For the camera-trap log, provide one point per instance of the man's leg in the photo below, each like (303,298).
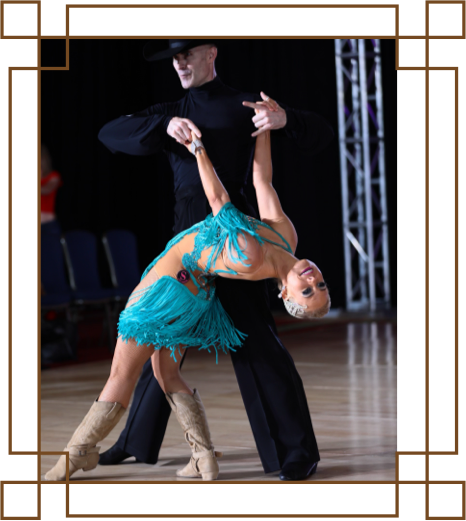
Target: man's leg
(147,421)
(270,385)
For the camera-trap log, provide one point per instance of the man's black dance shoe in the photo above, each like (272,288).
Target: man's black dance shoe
(113,456)
(297,470)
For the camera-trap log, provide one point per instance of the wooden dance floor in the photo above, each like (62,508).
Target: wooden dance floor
(348,367)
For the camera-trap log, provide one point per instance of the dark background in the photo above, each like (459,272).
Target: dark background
(108,78)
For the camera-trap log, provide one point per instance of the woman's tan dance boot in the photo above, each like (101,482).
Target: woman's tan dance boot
(191,416)
(97,424)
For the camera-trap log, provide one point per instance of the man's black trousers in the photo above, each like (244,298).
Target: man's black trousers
(270,386)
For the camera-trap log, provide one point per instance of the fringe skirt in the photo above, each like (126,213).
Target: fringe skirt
(169,315)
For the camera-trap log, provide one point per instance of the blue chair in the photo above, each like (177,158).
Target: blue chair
(122,255)
(57,292)
(80,249)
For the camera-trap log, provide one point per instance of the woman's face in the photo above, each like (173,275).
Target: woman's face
(305,284)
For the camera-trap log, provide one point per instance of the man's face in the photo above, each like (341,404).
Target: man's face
(194,66)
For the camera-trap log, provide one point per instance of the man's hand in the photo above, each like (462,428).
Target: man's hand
(269,115)
(180,129)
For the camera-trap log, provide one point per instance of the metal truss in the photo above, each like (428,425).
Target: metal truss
(362,165)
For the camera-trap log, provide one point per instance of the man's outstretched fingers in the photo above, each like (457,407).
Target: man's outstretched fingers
(261,105)
(252,105)
(269,115)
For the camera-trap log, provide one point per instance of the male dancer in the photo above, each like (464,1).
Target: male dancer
(270,386)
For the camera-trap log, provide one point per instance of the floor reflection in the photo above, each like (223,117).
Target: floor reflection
(348,369)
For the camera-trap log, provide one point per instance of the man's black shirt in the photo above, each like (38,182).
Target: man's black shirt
(226,127)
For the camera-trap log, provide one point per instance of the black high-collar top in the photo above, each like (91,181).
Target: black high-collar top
(216,110)
(226,127)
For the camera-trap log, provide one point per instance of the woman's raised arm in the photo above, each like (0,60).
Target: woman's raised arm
(267,198)
(213,187)
(270,209)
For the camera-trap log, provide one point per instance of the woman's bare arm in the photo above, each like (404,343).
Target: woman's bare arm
(267,198)
(270,208)
(213,187)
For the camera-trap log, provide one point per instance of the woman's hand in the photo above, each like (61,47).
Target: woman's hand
(268,103)
(188,143)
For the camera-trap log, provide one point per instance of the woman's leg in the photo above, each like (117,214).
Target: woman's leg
(105,412)
(167,371)
(129,358)
(127,364)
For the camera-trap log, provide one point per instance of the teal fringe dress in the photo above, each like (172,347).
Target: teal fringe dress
(169,315)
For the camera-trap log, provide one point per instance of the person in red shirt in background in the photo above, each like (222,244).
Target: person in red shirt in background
(49,184)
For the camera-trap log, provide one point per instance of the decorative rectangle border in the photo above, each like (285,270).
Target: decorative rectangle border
(427,68)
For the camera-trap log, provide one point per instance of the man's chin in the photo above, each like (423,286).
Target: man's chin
(186,82)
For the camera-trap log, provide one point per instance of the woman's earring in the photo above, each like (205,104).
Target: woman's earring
(280,295)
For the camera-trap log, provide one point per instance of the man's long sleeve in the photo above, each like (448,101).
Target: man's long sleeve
(139,134)
(308,130)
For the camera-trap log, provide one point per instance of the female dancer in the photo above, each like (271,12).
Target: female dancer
(174,307)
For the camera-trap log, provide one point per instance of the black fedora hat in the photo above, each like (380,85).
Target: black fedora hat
(152,54)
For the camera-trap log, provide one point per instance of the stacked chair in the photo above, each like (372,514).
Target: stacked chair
(80,248)
(58,337)
(122,256)
(56,292)
(78,252)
